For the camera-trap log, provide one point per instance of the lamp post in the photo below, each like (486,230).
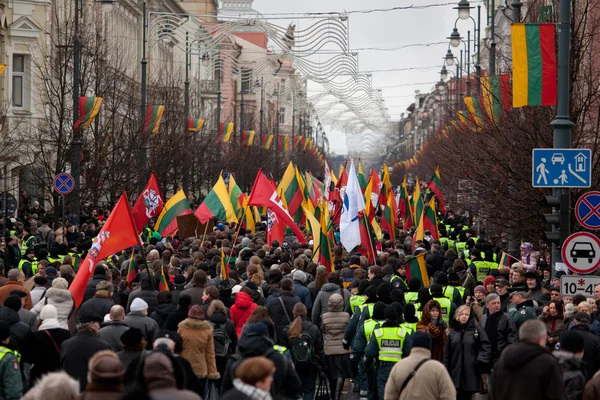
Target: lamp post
(218,119)
(516,5)
(143,155)
(262,91)
(186,135)
(241,108)
(493,41)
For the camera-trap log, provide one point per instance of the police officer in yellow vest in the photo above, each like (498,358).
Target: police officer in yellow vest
(461,244)
(448,307)
(450,292)
(490,261)
(399,278)
(28,241)
(412,295)
(27,263)
(363,334)
(360,314)
(12,384)
(479,268)
(454,281)
(410,316)
(388,344)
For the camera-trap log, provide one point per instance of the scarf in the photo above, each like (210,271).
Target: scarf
(251,391)
(50,323)
(491,328)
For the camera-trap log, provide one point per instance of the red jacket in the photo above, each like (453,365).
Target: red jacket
(241,310)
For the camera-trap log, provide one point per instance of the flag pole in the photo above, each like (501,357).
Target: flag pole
(204,235)
(237,233)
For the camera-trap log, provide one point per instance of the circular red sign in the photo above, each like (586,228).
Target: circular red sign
(587,212)
(579,253)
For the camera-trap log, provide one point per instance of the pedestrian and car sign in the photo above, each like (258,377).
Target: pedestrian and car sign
(562,168)
(64,183)
(587,210)
(581,252)
(570,285)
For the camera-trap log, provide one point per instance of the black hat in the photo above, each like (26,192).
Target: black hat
(390,313)
(19,293)
(89,318)
(378,311)
(436,289)
(571,341)
(453,277)
(371,292)
(414,284)
(531,275)
(251,285)
(475,252)
(179,280)
(184,300)
(354,260)
(132,337)
(13,302)
(409,310)
(582,318)
(40,280)
(502,282)
(4,330)
(421,339)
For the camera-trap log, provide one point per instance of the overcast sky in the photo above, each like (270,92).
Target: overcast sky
(385,30)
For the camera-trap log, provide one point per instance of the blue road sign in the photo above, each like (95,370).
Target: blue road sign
(562,168)
(64,183)
(587,210)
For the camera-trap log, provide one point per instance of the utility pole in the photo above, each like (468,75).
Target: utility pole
(186,134)
(143,156)
(493,38)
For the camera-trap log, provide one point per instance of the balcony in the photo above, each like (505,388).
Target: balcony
(208,87)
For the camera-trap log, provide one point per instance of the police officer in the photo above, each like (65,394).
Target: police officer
(360,314)
(479,268)
(458,292)
(27,263)
(388,344)
(358,299)
(399,278)
(12,385)
(28,241)
(448,307)
(412,295)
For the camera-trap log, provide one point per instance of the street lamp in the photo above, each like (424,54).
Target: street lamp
(464,9)
(455,38)
(107,5)
(444,73)
(449,58)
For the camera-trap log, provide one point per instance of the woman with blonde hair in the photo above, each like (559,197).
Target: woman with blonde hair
(467,355)
(305,342)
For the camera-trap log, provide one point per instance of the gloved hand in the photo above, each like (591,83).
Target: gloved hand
(346,345)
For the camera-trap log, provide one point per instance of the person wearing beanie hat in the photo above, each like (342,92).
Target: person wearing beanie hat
(39,289)
(536,292)
(138,318)
(105,377)
(422,385)
(410,318)
(134,345)
(362,313)
(12,386)
(569,356)
(348,273)
(452,289)
(181,313)
(412,295)
(198,344)
(388,344)
(300,290)
(399,278)
(448,307)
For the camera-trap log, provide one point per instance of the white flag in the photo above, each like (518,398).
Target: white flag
(353,203)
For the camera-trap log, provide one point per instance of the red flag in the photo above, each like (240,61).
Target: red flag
(264,195)
(117,234)
(275,228)
(148,205)
(377,185)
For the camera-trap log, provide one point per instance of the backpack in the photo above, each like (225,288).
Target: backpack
(302,350)
(222,341)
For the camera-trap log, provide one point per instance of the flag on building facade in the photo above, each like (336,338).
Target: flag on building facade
(416,268)
(476,115)
(533,64)
(217,204)
(148,205)
(236,196)
(89,107)
(194,125)
(117,234)
(248,138)
(267,140)
(436,188)
(166,224)
(154,114)
(353,203)
(496,96)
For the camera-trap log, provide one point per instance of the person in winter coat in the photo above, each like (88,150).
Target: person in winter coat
(592,388)
(19,331)
(39,290)
(521,308)
(112,330)
(432,323)
(217,318)
(196,291)
(300,290)
(431,381)
(15,282)
(43,347)
(536,292)
(99,276)
(569,358)
(499,327)
(299,329)
(146,292)
(321,279)
(11,384)
(337,357)
(242,309)
(260,314)
(552,316)
(467,355)
(526,370)
(591,354)
(286,383)
(198,344)
(76,352)
(321,303)
(225,293)
(163,309)
(60,297)
(26,316)
(175,317)
(178,287)
(105,377)
(134,346)
(281,306)
(138,318)
(253,380)
(99,305)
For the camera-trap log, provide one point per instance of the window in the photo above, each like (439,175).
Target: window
(282,115)
(245,76)
(18,80)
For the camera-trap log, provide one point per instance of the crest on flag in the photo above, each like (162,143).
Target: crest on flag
(97,246)
(151,202)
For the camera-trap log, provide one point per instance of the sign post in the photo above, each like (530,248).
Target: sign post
(587,210)
(63,184)
(561,168)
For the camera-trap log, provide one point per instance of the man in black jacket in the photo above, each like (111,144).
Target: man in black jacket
(502,290)
(526,370)
(591,343)
(282,314)
(99,276)
(499,327)
(286,382)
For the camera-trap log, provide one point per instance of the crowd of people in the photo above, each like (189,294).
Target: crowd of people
(276,325)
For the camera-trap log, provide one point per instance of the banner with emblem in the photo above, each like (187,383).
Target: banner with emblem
(148,205)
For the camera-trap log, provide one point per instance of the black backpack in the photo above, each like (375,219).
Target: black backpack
(222,341)
(302,350)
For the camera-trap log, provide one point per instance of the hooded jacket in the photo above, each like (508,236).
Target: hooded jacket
(573,372)
(321,303)
(241,310)
(160,314)
(146,293)
(18,330)
(591,345)
(148,326)
(527,371)
(62,300)
(164,378)
(286,383)
(333,326)
(199,347)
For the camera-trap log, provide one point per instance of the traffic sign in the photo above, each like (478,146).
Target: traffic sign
(587,210)
(581,252)
(570,285)
(64,183)
(561,168)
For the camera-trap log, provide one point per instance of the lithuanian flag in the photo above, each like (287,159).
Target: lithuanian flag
(360,174)
(248,138)
(225,131)
(167,220)
(131,272)
(474,107)
(417,201)
(428,222)
(154,115)
(267,140)
(290,192)
(496,96)
(533,65)
(163,284)
(389,218)
(436,187)
(416,269)
(194,125)
(325,240)
(386,186)
(370,209)
(217,204)
(89,107)
(236,196)
(505,260)
(404,206)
